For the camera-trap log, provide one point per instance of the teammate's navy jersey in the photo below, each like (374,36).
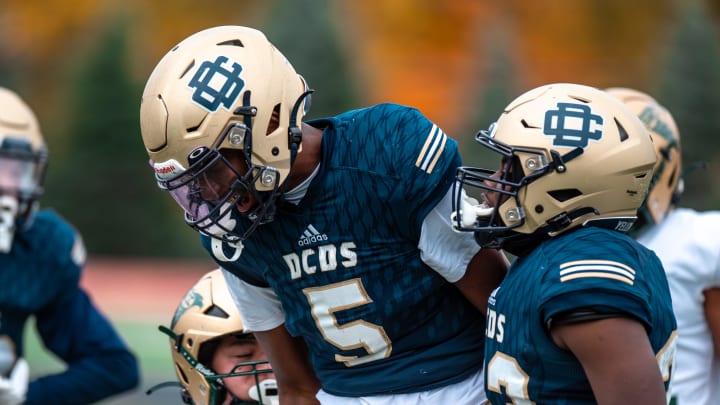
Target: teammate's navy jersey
(587,268)
(346,266)
(40,278)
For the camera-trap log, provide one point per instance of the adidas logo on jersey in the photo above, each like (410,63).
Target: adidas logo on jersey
(311,236)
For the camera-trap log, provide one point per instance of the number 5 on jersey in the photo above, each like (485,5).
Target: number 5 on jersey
(325,301)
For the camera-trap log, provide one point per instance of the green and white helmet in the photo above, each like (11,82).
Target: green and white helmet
(666,185)
(206,314)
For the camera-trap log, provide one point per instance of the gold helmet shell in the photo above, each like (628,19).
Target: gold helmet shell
(17,120)
(666,185)
(224,90)
(573,156)
(196,89)
(23,156)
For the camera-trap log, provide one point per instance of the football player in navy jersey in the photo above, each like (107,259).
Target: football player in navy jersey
(338,229)
(584,315)
(41,260)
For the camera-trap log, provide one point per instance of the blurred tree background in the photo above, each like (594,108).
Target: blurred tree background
(82,67)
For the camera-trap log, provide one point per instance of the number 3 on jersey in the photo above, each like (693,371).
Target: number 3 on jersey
(325,301)
(503,371)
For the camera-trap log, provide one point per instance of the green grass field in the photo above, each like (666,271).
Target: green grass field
(150,346)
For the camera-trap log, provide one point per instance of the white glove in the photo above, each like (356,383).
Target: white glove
(269,391)
(14,388)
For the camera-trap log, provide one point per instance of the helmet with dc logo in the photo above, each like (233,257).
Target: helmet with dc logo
(667,184)
(222,91)
(572,155)
(23,160)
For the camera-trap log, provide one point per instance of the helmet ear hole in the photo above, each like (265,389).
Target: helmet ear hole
(206,352)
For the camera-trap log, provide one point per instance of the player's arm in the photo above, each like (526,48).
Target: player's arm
(99,364)
(712,315)
(458,258)
(484,273)
(617,358)
(262,313)
(288,356)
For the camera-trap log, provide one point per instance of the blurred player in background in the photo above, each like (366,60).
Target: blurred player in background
(687,243)
(216,360)
(584,314)
(41,260)
(339,228)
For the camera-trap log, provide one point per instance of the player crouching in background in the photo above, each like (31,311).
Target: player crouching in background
(42,257)
(217,362)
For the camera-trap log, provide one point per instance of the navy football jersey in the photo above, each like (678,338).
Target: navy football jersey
(40,278)
(586,268)
(346,266)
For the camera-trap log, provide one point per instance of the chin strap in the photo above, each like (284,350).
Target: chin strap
(179,348)
(166,384)
(559,162)
(294,138)
(520,244)
(209,375)
(294,130)
(565,219)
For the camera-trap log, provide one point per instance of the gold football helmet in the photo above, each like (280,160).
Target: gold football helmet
(205,315)
(572,156)
(23,160)
(223,89)
(666,185)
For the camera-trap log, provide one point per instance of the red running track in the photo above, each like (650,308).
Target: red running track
(140,289)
